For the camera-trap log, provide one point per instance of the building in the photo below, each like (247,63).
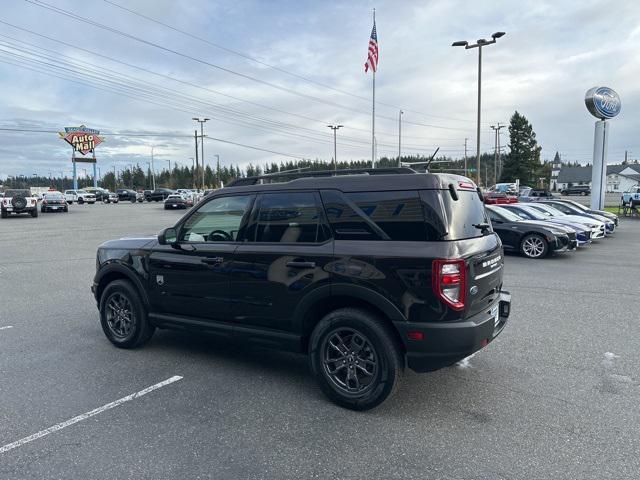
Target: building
(619,177)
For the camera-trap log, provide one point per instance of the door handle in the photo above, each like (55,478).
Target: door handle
(212,261)
(301,264)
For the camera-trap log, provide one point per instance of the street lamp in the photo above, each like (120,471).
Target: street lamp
(335,148)
(399,137)
(479,44)
(201,121)
(153,173)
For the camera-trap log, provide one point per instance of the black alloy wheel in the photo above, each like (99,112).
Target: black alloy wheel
(355,358)
(123,315)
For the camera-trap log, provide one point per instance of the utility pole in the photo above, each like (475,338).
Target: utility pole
(217,170)
(153,173)
(465,157)
(202,122)
(335,148)
(400,138)
(496,160)
(197,167)
(625,157)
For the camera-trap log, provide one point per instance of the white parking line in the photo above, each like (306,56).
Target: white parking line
(7,327)
(84,416)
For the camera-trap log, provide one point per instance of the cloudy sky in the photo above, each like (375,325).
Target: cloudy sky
(272,75)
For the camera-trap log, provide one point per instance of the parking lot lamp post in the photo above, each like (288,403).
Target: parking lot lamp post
(479,44)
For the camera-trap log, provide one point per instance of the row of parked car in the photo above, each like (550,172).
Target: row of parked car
(549,225)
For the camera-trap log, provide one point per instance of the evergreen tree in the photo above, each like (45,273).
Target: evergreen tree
(523,160)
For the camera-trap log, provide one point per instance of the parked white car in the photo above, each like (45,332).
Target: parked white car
(80,196)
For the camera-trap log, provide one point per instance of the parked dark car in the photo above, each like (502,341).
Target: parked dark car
(175,200)
(527,212)
(159,194)
(531,238)
(576,190)
(125,194)
(365,273)
(54,202)
(101,194)
(571,209)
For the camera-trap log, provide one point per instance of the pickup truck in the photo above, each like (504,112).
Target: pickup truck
(632,196)
(79,196)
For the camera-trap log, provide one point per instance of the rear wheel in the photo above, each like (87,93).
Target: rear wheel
(81,201)
(534,246)
(4,214)
(34,213)
(355,359)
(123,315)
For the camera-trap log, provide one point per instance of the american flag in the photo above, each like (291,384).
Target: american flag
(372,54)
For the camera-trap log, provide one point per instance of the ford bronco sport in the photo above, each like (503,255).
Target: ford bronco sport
(368,272)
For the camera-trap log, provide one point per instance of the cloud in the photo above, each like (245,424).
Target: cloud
(552,53)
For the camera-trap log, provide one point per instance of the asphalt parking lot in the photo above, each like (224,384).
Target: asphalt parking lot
(555,396)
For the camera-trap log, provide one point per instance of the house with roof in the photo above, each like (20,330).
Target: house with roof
(620,178)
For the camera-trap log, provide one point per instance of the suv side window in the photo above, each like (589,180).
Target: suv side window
(288,217)
(218,220)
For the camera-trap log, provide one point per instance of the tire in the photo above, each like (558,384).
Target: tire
(69,202)
(384,366)
(4,214)
(42,210)
(66,209)
(19,202)
(34,213)
(91,203)
(80,201)
(563,192)
(121,294)
(534,246)
(133,200)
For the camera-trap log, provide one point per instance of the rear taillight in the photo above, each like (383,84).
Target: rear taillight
(450,282)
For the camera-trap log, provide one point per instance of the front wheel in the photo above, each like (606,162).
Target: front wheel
(123,315)
(355,359)
(80,201)
(34,213)
(534,246)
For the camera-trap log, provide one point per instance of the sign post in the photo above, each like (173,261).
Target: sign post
(603,103)
(83,140)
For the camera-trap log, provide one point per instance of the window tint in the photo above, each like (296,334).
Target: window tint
(394,215)
(288,218)
(463,214)
(216,221)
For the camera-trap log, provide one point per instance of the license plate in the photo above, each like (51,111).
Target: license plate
(495,313)
(55,208)
(174,205)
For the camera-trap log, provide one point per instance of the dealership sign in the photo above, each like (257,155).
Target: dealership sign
(602,102)
(83,140)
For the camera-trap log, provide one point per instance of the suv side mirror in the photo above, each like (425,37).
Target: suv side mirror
(168,236)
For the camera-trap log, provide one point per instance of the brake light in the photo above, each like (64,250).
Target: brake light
(466,185)
(450,282)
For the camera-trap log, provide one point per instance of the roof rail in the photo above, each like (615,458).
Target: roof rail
(240,182)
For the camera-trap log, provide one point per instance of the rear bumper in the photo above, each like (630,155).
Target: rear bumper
(445,343)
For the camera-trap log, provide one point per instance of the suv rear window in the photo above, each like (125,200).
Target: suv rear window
(463,214)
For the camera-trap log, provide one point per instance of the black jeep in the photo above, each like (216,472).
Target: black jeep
(368,272)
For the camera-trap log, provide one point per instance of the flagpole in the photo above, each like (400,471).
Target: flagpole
(373,111)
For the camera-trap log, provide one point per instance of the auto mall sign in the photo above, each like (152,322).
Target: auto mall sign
(83,140)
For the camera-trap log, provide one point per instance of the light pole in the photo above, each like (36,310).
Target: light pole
(400,137)
(497,154)
(153,173)
(465,156)
(335,145)
(201,121)
(479,44)
(170,184)
(217,170)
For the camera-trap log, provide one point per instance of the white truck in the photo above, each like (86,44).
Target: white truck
(79,196)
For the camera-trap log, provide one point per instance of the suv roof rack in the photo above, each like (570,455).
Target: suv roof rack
(288,176)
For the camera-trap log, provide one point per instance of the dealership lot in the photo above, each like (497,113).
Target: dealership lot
(555,396)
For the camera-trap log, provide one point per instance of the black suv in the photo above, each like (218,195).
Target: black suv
(576,190)
(366,273)
(157,195)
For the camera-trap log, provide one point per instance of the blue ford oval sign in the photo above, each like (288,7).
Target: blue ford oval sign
(602,102)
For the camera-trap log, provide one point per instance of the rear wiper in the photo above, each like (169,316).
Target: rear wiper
(482,226)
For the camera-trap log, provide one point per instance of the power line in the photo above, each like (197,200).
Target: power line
(273,67)
(212,65)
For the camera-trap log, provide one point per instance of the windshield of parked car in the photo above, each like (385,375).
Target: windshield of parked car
(506,214)
(579,206)
(536,214)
